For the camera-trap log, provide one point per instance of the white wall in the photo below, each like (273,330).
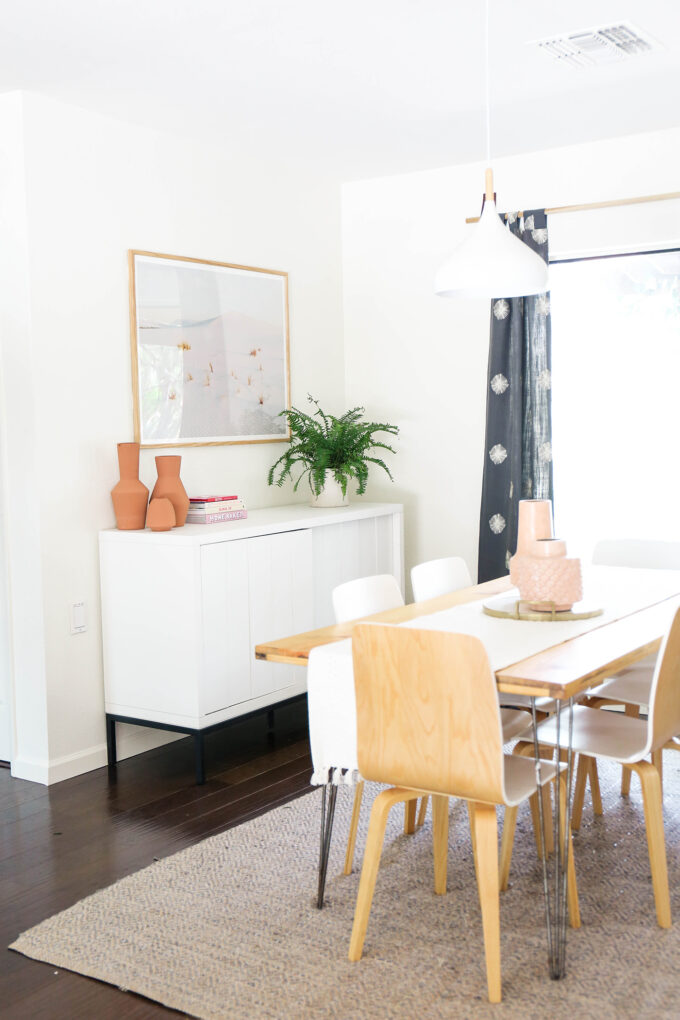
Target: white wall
(21,576)
(420,361)
(96,187)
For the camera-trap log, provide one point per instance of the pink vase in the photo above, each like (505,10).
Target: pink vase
(169,485)
(547,579)
(534,521)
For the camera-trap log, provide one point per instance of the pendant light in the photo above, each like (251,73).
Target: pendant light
(492,262)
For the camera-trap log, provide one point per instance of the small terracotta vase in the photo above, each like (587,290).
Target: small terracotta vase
(534,522)
(129,495)
(170,486)
(161,514)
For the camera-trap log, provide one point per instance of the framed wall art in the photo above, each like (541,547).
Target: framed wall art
(210,351)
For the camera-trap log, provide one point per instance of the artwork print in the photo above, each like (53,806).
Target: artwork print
(209,351)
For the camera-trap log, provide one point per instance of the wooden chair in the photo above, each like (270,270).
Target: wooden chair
(629,741)
(365,596)
(450,573)
(353,600)
(428,720)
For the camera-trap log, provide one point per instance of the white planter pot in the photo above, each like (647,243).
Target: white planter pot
(331,493)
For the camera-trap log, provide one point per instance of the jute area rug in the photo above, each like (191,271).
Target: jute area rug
(228,928)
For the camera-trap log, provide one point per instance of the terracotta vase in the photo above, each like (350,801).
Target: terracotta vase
(161,514)
(169,485)
(130,496)
(534,522)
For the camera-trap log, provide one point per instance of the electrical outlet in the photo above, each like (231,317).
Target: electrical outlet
(78,620)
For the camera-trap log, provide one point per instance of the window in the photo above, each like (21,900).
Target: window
(616,397)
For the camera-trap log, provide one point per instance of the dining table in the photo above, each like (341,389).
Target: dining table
(626,613)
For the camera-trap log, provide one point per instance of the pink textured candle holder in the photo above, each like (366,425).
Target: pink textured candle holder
(549,582)
(546,578)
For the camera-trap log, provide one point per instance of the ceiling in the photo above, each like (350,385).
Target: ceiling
(354,88)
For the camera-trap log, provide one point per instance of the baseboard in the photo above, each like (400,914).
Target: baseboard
(130,740)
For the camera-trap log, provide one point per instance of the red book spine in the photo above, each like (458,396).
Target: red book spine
(210,499)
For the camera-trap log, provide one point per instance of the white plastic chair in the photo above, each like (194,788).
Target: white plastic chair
(626,740)
(365,596)
(437,577)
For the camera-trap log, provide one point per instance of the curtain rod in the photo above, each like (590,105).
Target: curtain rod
(599,205)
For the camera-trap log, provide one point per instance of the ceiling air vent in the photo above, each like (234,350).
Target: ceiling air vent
(596,46)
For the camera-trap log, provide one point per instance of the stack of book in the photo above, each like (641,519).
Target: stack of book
(215,509)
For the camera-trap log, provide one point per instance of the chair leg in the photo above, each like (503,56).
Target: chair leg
(595,787)
(440,829)
(486,854)
(634,712)
(526,750)
(353,826)
(579,792)
(651,799)
(410,817)
(547,819)
(572,890)
(369,871)
(507,840)
(657,762)
(473,835)
(422,812)
(536,820)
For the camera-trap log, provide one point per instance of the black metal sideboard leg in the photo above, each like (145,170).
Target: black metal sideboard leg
(199,754)
(110,740)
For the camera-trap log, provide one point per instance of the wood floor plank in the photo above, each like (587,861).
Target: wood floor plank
(112,824)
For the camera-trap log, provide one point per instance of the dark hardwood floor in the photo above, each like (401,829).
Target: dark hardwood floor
(61,843)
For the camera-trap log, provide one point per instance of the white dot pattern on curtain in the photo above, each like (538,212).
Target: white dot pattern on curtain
(518,464)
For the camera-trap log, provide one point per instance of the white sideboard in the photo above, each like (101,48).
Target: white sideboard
(182,610)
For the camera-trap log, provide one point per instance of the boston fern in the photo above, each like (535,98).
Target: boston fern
(320,442)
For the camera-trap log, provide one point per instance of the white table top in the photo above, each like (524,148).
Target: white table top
(332,707)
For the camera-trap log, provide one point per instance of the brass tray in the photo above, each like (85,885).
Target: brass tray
(516,609)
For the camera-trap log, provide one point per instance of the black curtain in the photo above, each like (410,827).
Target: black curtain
(518,450)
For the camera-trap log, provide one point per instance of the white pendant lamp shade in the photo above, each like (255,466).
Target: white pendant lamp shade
(491,262)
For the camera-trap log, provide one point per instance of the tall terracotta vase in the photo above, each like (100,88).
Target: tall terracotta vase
(130,496)
(169,485)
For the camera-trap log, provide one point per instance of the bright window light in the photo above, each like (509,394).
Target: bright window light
(616,398)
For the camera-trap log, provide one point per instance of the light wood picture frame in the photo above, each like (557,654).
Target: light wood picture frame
(210,351)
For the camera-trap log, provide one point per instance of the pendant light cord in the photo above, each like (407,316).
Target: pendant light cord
(488,90)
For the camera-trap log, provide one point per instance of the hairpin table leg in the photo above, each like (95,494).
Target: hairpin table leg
(326,832)
(556,912)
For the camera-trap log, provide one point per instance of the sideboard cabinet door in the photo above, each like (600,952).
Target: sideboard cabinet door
(252,589)
(227,651)
(281,600)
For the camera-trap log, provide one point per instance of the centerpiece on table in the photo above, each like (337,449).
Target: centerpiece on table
(331,451)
